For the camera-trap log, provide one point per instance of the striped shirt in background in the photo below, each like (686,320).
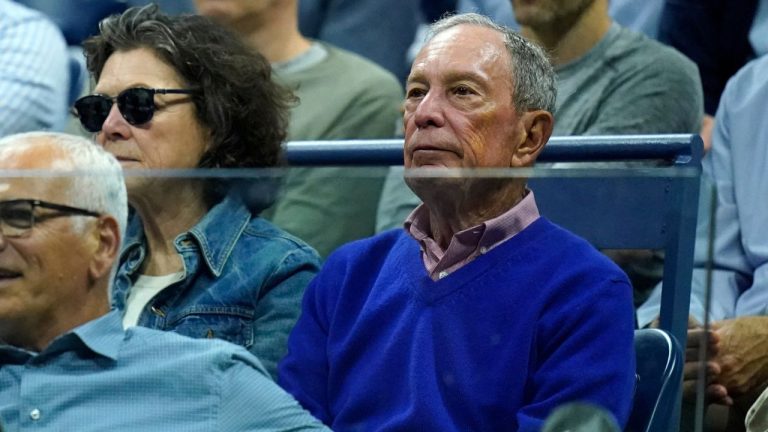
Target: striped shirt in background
(34,71)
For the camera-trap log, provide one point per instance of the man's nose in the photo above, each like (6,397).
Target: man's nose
(430,111)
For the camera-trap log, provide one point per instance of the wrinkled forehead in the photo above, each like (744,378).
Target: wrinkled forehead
(465,47)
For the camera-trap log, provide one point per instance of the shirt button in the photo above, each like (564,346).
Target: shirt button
(157,311)
(34,414)
(442,274)
(483,250)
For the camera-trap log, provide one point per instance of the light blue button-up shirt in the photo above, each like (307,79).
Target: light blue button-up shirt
(101,378)
(736,164)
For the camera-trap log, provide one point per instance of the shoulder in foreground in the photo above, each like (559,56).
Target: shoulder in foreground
(577,253)
(753,73)
(182,349)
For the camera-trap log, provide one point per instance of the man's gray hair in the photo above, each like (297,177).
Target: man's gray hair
(97,178)
(533,78)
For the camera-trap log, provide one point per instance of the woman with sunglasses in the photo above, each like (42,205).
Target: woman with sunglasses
(183,93)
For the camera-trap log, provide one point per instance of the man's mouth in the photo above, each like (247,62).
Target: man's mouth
(8,274)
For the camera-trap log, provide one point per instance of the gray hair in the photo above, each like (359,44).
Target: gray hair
(97,178)
(533,78)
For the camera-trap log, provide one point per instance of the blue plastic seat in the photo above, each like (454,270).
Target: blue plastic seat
(659,372)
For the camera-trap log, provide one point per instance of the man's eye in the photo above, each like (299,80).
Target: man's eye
(18,218)
(463,90)
(416,93)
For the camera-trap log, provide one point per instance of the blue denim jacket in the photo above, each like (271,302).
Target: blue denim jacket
(243,281)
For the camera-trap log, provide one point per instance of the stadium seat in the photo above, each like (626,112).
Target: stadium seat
(659,372)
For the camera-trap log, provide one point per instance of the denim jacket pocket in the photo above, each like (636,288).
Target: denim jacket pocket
(230,323)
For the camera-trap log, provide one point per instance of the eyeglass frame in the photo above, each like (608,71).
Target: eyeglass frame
(64,210)
(114,99)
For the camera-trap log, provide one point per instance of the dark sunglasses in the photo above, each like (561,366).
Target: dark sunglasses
(137,106)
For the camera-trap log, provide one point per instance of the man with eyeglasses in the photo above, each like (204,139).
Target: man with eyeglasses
(65,361)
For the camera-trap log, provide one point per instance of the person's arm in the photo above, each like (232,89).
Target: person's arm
(278,308)
(34,76)
(585,352)
(304,370)
(251,401)
(743,357)
(732,271)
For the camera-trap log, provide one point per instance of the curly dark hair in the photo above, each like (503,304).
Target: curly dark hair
(235,97)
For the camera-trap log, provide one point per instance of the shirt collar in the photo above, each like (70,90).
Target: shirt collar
(468,243)
(215,238)
(102,336)
(219,230)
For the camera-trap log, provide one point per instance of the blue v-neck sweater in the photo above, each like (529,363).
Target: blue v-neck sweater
(540,320)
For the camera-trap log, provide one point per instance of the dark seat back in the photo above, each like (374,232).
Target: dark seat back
(659,371)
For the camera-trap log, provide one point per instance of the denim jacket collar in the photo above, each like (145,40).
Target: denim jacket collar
(214,238)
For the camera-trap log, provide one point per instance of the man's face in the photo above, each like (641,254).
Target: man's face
(546,13)
(458,108)
(43,274)
(232,11)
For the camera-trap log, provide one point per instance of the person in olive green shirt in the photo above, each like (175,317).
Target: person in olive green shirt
(341,96)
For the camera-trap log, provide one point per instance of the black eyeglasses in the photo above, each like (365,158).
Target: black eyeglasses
(137,105)
(18,217)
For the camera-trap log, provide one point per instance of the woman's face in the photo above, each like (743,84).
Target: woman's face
(173,138)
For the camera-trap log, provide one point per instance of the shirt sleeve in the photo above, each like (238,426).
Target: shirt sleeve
(304,370)
(34,76)
(739,261)
(252,401)
(278,309)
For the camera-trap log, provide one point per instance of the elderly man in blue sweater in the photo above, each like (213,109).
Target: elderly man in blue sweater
(480,314)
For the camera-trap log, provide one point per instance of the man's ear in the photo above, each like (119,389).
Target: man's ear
(537,127)
(107,247)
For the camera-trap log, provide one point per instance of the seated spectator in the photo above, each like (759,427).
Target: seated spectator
(610,81)
(66,363)
(739,267)
(480,315)
(197,258)
(341,96)
(34,71)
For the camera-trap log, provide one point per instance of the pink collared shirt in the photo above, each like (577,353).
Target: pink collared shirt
(468,244)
